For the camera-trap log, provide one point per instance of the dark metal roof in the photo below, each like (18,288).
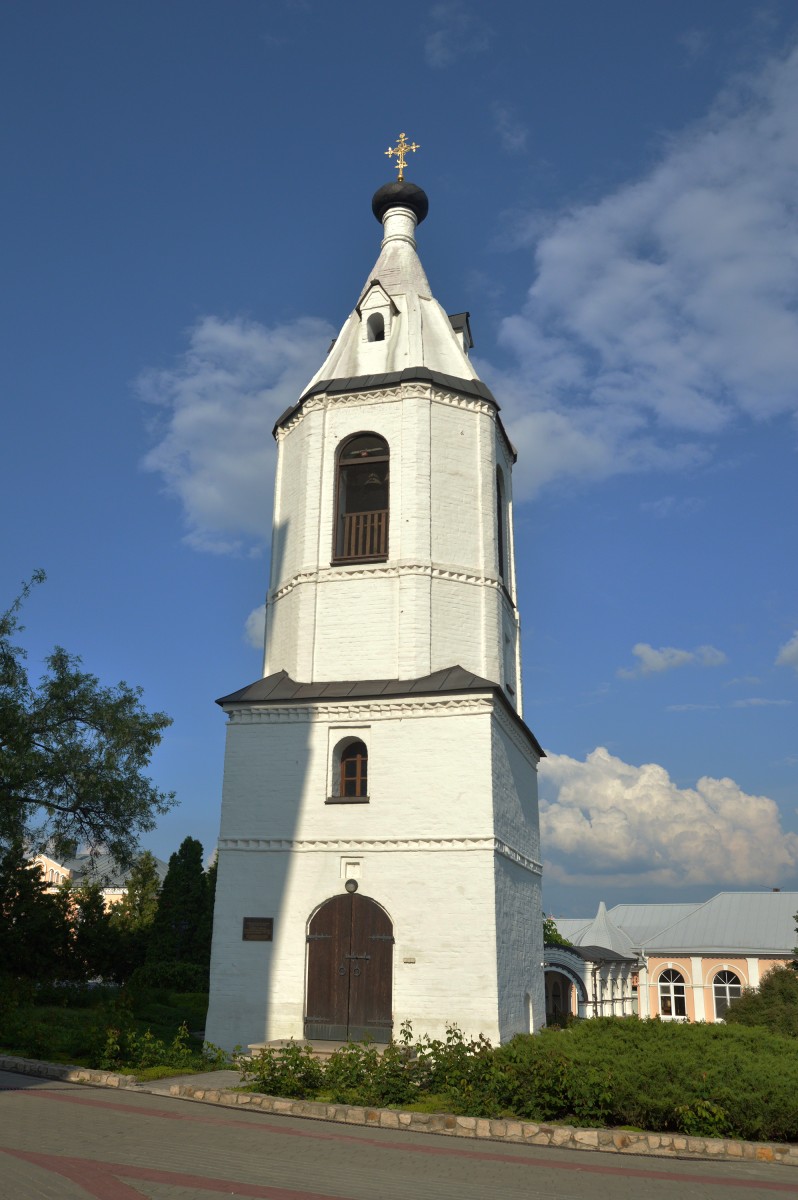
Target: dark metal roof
(280,688)
(460,322)
(601,954)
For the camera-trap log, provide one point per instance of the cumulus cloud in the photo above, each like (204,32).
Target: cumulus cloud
(653,662)
(668,310)
(454,33)
(255,627)
(214,412)
(606,821)
(788,654)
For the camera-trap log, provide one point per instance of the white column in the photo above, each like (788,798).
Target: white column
(753,972)
(699,1008)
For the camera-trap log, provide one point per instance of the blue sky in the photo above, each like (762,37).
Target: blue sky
(612,195)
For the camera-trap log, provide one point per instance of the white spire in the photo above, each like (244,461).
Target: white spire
(397,323)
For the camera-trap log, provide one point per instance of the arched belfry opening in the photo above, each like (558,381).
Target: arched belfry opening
(350,971)
(362,499)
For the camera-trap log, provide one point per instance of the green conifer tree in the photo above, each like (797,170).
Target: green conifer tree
(35,931)
(178,932)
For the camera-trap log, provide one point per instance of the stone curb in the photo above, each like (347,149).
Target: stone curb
(32,1066)
(528,1133)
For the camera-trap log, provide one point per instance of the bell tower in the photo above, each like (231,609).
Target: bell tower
(379,848)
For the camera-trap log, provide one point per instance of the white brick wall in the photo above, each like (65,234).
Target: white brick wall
(433,846)
(437,601)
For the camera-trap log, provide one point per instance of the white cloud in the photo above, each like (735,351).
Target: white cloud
(255,627)
(609,822)
(512,133)
(788,654)
(667,310)
(215,412)
(759,702)
(454,33)
(652,662)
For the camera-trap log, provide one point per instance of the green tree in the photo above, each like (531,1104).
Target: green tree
(95,944)
(137,908)
(73,753)
(552,935)
(132,918)
(35,927)
(179,931)
(774,1004)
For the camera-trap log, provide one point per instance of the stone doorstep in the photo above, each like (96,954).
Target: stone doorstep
(565,1137)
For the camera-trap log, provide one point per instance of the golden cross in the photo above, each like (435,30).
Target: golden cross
(400,149)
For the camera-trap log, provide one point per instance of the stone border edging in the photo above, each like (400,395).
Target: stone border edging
(32,1066)
(528,1133)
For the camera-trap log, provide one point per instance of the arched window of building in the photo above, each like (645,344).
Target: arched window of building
(354,772)
(376,327)
(672,1000)
(501,538)
(727,987)
(362,499)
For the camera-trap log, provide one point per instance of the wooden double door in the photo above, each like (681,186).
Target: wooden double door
(350,968)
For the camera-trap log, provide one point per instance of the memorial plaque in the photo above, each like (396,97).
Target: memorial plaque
(258,929)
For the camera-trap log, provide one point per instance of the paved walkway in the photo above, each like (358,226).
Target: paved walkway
(65,1141)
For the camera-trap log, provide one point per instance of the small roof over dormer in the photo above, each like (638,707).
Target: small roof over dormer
(374,295)
(421,335)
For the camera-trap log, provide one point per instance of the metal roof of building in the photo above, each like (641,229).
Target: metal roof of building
(756,922)
(104,870)
(280,688)
(643,921)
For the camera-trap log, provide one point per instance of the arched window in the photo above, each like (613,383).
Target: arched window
(727,987)
(376,327)
(501,540)
(362,499)
(672,1001)
(354,781)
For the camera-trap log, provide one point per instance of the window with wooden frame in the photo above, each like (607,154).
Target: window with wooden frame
(672,999)
(361,516)
(353,780)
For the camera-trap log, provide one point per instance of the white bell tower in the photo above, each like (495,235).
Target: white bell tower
(379,848)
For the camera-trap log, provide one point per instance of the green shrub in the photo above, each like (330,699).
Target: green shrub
(289,1071)
(172,976)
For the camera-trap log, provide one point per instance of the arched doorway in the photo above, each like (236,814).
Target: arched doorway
(350,968)
(558,998)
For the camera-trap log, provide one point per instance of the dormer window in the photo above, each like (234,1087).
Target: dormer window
(376,311)
(376,327)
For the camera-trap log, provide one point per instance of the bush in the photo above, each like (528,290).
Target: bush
(774,1005)
(706,1080)
(172,976)
(289,1071)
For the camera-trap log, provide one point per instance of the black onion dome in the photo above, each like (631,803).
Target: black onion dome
(400,195)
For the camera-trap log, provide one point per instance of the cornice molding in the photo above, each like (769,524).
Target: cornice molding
(390,570)
(375,707)
(381,845)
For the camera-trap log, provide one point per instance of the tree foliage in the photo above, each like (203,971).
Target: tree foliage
(774,1005)
(73,752)
(137,908)
(552,935)
(35,927)
(180,931)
